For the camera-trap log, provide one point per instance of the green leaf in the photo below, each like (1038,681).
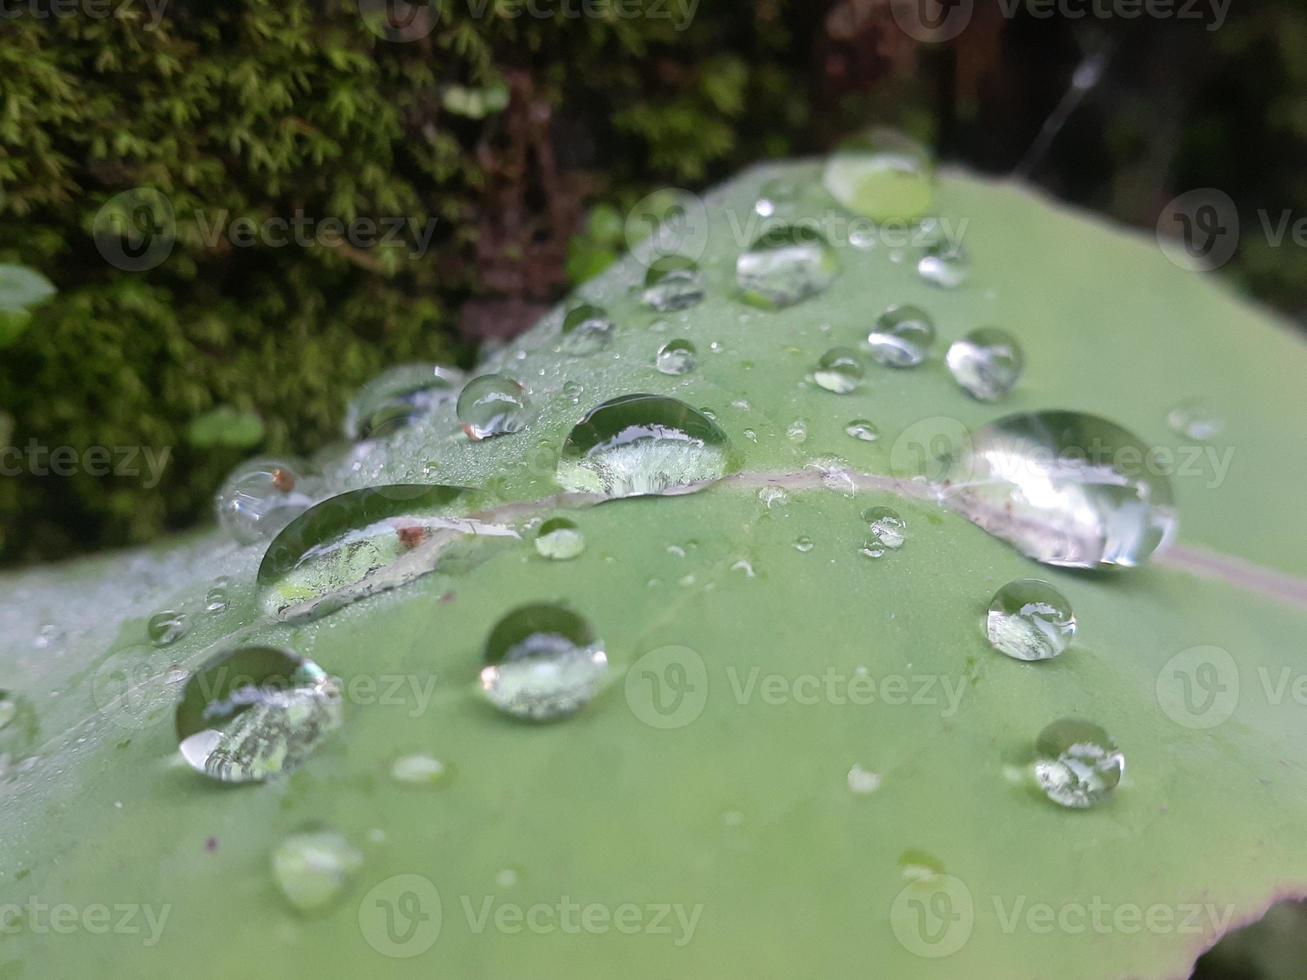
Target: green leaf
(225,426)
(700,809)
(22,288)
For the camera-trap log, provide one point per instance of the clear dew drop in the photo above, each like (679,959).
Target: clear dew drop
(643,445)
(944,264)
(255,712)
(218,598)
(773,496)
(797,432)
(902,336)
(882,175)
(675,357)
(839,370)
(774,195)
(587,329)
(887,531)
(784,265)
(1064,488)
(987,363)
(803,544)
(560,539)
(418,769)
(1195,419)
(672,282)
(492,405)
(398,397)
(261,496)
(1030,620)
(313,868)
(542,663)
(1077,764)
(864,430)
(167,627)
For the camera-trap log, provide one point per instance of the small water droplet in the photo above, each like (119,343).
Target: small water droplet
(639,445)
(167,627)
(49,637)
(261,496)
(863,430)
(944,264)
(917,865)
(1030,620)
(397,397)
(676,357)
(882,175)
(1195,419)
(313,868)
(559,539)
(803,544)
(888,530)
(1077,764)
(255,712)
(863,781)
(902,336)
(786,264)
(744,566)
(797,432)
(572,391)
(986,362)
(418,769)
(586,329)
(773,496)
(217,599)
(492,405)
(839,370)
(672,282)
(774,194)
(542,663)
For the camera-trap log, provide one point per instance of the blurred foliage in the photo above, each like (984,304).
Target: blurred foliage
(525,139)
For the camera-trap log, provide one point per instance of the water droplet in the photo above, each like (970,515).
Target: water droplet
(492,405)
(917,865)
(255,712)
(639,445)
(773,496)
(881,174)
(366,541)
(1077,764)
(559,539)
(395,398)
(774,194)
(49,637)
(901,336)
(803,544)
(542,663)
(944,264)
(744,566)
(572,391)
(797,432)
(1064,488)
(986,362)
(217,599)
(261,496)
(863,430)
(839,370)
(1195,419)
(586,330)
(672,282)
(418,769)
(313,868)
(863,781)
(888,531)
(784,265)
(167,627)
(1030,620)
(676,357)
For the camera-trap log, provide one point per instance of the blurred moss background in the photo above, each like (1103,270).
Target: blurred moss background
(524,138)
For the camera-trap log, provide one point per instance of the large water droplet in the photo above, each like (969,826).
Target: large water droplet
(313,868)
(1077,764)
(676,357)
(492,405)
(397,397)
(784,265)
(586,330)
(986,362)
(1195,419)
(255,712)
(542,663)
(559,539)
(882,175)
(944,264)
(901,336)
(1030,620)
(365,541)
(839,370)
(261,496)
(672,282)
(643,445)
(1064,488)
